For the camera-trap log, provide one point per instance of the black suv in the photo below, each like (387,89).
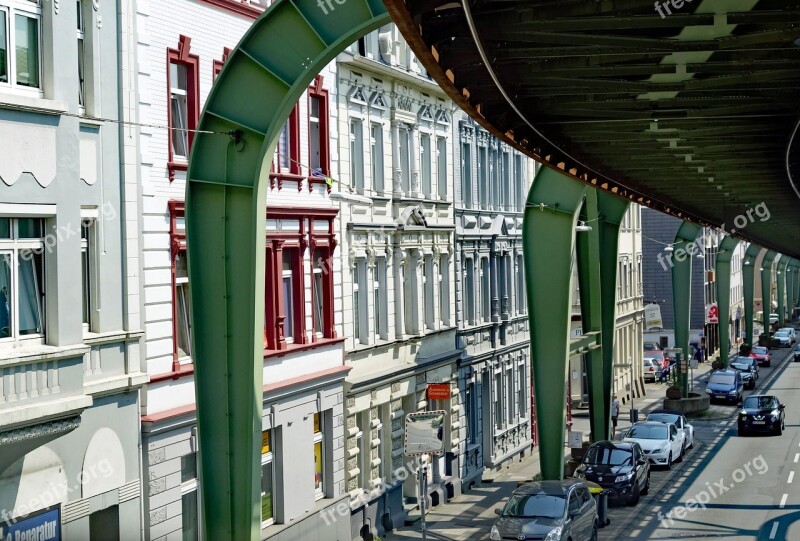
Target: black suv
(619,467)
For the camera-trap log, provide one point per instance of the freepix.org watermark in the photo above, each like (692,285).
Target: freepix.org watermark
(740,222)
(664,6)
(328,5)
(713,491)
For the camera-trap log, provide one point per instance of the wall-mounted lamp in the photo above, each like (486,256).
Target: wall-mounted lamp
(668,248)
(582,227)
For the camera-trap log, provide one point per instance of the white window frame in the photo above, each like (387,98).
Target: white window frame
(380,299)
(498,399)
(13,247)
(81,35)
(288,299)
(444,289)
(26,8)
(365,449)
(405,149)
(357,154)
(522,384)
(510,398)
(466,174)
(441,166)
(428,304)
(426,163)
(483,177)
(315,136)
(90,290)
(376,155)
(182,297)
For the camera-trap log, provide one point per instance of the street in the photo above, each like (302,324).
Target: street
(727,487)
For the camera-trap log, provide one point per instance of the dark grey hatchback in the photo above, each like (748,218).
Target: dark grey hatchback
(548,511)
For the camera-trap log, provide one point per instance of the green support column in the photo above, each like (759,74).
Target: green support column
(723,272)
(684,250)
(249,103)
(548,237)
(783,264)
(748,277)
(766,287)
(612,209)
(795,288)
(598,291)
(790,278)
(588,255)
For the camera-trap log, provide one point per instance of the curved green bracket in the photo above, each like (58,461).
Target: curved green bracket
(548,236)
(723,283)
(684,250)
(251,99)
(766,287)
(748,277)
(783,264)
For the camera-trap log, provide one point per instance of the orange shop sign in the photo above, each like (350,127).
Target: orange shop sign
(439,391)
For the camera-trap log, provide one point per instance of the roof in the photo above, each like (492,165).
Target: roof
(553,488)
(670,412)
(692,113)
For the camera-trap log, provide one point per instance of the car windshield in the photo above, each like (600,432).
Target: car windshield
(741,366)
(782,334)
(648,432)
(650,346)
(760,402)
(657,355)
(664,418)
(759,350)
(535,506)
(722,379)
(610,456)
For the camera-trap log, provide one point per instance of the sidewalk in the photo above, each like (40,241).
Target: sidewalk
(469,516)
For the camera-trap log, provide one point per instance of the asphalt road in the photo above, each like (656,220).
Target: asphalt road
(747,485)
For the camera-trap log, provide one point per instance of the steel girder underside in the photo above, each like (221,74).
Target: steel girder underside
(692,113)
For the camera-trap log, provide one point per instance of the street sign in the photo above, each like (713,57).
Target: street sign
(575,440)
(425,432)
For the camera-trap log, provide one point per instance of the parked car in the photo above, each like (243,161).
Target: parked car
(662,443)
(552,510)
(651,369)
(725,385)
(747,370)
(797,353)
(619,467)
(773,319)
(652,346)
(782,339)
(762,355)
(657,355)
(678,419)
(792,333)
(762,413)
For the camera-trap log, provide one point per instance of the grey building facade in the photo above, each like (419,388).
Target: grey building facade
(70,330)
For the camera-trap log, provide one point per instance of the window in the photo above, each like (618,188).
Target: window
(441,166)
(469,291)
(486,289)
(20,23)
(519,183)
(319,458)
(380,299)
(87,270)
(405,160)
(318,138)
(356,155)
(104,524)
(376,147)
(522,383)
(505,189)
(466,174)
(289,231)
(181,304)
(494,172)
(81,53)
(498,403)
(184,102)
(444,289)
(425,160)
(428,292)
(510,395)
(360,300)
(364,451)
(21,277)
(411,291)
(287,153)
(189,503)
(483,177)
(267,479)
(470,412)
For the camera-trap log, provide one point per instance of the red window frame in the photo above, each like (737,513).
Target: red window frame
(316,90)
(295,172)
(217,66)
(236,6)
(297,241)
(183,56)
(177,238)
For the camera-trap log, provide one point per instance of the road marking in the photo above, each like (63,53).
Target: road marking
(791,476)
(783,501)
(774,530)
(797,457)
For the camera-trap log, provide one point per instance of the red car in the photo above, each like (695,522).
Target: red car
(762,355)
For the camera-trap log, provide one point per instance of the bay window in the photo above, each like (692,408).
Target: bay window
(294,236)
(21,278)
(20,44)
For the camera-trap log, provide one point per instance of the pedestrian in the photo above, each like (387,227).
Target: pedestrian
(614,416)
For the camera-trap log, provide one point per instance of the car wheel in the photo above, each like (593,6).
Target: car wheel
(594,532)
(669,461)
(635,495)
(646,488)
(779,430)
(680,456)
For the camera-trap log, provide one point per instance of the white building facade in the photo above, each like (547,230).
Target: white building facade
(302,440)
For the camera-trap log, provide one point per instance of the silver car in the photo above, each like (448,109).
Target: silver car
(548,510)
